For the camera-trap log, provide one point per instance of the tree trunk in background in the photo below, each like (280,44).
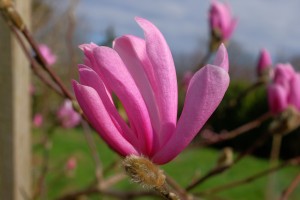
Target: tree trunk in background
(15,146)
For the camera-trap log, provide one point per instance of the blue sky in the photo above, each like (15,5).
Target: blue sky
(273,24)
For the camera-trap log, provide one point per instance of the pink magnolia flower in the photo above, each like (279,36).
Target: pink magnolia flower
(221,20)
(48,55)
(141,73)
(68,117)
(284,90)
(38,120)
(264,62)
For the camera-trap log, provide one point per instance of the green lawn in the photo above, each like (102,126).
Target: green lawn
(190,164)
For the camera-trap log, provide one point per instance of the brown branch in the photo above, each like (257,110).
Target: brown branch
(112,181)
(44,64)
(203,61)
(14,19)
(217,138)
(293,161)
(289,190)
(244,93)
(33,64)
(113,165)
(218,170)
(46,144)
(181,191)
(211,173)
(112,193)
(260,141)
(19,27)
(95,155)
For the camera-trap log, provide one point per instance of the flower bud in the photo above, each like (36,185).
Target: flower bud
(263,68)
(286,122)
(225,158)
(142,170)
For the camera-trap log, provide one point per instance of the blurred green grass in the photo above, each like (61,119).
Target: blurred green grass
(188,165)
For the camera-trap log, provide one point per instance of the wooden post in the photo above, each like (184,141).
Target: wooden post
(15,146)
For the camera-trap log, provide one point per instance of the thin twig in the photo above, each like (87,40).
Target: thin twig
(112,181)
(244,93)
(203,61)
(293,161)
(259,141)
(95,154)
(113,165)
(34,64)
(274,157)
(181,191)
(218,170)
(13,19)
(44,64)
(289,190)
(210,174)
(46,144)
(217,138)
(117,194)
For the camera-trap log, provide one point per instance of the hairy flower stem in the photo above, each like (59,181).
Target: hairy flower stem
(141,170)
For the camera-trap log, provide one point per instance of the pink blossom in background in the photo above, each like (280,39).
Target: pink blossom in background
(48,55)
(141,73)
(264,62)
(38,120)
(284,89)
(71,163)
(67,116)
(221,20)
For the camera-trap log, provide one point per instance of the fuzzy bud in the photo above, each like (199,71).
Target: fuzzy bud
(225,158)
(5,3)
(142,170)
(11,15)
(286,122)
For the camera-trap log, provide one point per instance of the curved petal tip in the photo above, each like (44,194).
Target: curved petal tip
(221,58)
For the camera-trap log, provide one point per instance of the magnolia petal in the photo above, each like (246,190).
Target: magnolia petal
(230,29)
(264,62)
(116,77)
(88,54)
(294,93)
(82,66)
(164,75)
(204,94)
(132,51)
(88,77)
(221,58)
(98,116)
(283,73)
(277,98)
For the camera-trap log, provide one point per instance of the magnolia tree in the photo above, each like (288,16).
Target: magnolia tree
(147,131)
